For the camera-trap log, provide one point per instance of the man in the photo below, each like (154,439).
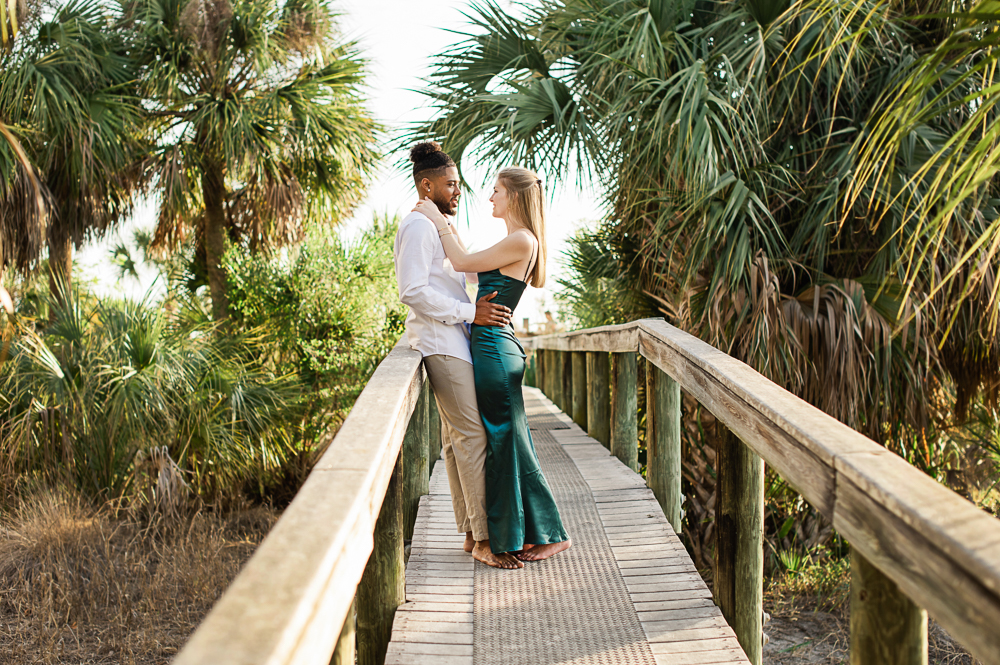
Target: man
(438,327)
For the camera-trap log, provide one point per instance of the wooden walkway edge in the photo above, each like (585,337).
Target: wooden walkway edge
(674,606)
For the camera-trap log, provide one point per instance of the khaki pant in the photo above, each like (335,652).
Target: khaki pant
(463,440)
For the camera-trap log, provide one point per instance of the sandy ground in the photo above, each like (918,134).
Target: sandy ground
(821,638)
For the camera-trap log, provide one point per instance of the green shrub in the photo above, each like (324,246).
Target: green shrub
(104,382)
(329,312)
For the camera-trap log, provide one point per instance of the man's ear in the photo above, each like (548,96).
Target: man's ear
(424,188)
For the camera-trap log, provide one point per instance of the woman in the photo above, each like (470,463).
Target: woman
(522,516)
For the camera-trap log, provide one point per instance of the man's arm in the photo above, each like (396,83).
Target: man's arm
(417,243)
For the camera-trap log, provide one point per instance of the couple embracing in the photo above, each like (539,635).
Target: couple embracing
(475,364)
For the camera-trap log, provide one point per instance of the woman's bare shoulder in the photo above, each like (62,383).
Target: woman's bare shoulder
(522,239)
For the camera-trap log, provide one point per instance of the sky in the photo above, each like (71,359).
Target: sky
(400,38)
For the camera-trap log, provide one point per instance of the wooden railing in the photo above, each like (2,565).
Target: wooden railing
(341,537)
(915,545)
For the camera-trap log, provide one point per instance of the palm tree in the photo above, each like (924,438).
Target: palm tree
(731,138)
(260,122)
(68,89)
(21,233)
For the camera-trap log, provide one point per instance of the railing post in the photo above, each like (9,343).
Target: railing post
(383,586)
(599,397)
(344,652)
(416,462)
(530,371)
(887,628)
(542,371)
(624,409)
(663,442)
(579,413)
(557,377)
(566,405)
(433,429)
(739,549)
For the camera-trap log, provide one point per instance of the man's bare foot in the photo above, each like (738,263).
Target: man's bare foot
(469,542)
(540,552)
(482,552)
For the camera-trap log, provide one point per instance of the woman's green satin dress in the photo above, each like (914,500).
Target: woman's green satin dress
(520,507)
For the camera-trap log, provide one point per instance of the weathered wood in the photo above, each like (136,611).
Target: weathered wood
(887,628)
(739,549)
(300,582)
(346,649)
(532,370)
(383,586)
(566,393)
(599,397)
(621,338)
(624,410)
(579,411)
(539,369)
(663,443)
(416,464)
(938,550)
(558,369)
(433,427)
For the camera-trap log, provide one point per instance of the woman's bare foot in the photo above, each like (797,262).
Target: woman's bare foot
(540,552)
(469,542)
(482,552)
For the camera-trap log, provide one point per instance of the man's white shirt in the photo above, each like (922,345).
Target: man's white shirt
(439,306)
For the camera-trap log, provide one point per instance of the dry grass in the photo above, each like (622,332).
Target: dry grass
(79,585)
(810,622)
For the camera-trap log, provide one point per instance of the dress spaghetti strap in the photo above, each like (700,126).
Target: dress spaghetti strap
(530,266)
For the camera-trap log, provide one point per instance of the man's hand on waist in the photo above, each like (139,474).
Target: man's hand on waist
(491,314)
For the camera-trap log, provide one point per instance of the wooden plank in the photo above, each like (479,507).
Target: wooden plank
(917,561)
(382,586)
(345,652)
(608,339)
(640,591)
(739,549)
(422,648)
(599,397)
(565,404)
(660,596)
(455,598)
(416,622)
(432,636)
(579,402)
(886,626)
(701,657)
(657,568)
(663,443)
(624,410)
(424,659)
(694,646)
(685,613)
(433,615)
(315,554)
(681,603)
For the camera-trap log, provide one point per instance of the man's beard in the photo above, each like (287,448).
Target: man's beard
(445,206)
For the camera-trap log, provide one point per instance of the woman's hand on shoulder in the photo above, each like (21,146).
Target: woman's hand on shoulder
(429,209)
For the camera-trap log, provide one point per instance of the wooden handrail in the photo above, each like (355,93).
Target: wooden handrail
(941,551)
(291,598)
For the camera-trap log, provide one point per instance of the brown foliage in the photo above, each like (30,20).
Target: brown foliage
(84,586)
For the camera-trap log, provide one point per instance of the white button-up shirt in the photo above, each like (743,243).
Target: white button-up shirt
(439,306)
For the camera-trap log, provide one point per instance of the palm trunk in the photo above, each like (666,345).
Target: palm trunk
(213,194)
(60,265)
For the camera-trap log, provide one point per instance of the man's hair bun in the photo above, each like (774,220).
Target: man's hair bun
(421,151)
(428,156)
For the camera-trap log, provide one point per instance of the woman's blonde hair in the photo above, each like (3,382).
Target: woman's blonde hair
(526,204)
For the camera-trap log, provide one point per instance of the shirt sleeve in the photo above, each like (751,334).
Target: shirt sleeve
(417,243)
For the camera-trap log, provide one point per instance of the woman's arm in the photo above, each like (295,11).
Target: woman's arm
(515,247)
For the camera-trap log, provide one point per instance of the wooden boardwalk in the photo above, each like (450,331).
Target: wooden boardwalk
(627,592)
